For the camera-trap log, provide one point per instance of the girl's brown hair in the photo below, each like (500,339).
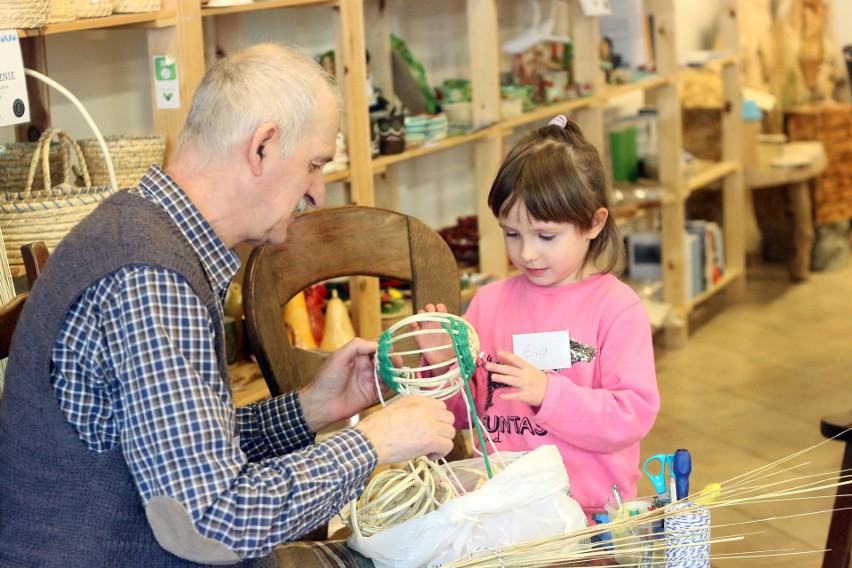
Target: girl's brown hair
(560,178)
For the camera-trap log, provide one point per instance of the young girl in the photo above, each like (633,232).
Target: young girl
(597,398)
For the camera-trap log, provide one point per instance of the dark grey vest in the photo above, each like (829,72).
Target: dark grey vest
(62,504)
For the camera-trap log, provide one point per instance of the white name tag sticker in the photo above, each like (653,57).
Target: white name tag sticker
(14,104)
(548,350)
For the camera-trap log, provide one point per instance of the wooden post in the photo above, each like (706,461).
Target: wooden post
(483,44)
(352,77)
(184,44)
(35,57)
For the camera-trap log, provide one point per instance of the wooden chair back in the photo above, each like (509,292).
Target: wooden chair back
(330,243)
(838,543)
(10,312)
(35,256)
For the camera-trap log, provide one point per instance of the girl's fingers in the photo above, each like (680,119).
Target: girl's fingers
(510,380)
(507,357)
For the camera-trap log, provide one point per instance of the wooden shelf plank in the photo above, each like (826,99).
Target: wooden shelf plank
(544,113)
(629,214)
(647,84)
(730,277)
(161,19)
(706,173)
(264,5)
(717,61)
(339,175)
(382,162)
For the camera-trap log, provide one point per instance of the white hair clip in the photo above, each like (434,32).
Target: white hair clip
(558,120)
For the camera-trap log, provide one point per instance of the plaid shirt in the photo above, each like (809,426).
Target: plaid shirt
(135,364)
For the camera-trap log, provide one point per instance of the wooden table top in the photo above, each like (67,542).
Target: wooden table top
(765,174)
(247,383)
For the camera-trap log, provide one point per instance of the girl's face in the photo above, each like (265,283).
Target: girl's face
(549,254)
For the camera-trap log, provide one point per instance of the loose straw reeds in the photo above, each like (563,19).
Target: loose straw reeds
(400,495)
(760,485)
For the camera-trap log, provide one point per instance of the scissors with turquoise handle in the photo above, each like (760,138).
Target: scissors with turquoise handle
(661,484)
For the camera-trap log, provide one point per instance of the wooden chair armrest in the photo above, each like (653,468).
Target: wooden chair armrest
(837,426)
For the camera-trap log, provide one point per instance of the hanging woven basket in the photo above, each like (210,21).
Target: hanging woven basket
(131,157)
(15,161)
(135,6)
(46,212)
(24,14)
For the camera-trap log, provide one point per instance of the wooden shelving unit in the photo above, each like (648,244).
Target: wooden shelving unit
(728,171)
(192,35)
(161,19)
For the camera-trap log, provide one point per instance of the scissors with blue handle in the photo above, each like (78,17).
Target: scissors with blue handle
(661,484)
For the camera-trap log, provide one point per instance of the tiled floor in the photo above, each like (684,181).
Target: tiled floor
(748,389)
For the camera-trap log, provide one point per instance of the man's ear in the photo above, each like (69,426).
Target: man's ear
(258,149)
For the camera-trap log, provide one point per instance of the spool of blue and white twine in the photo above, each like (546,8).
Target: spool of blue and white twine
(687,527)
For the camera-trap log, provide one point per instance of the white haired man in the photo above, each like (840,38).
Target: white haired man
(121,445)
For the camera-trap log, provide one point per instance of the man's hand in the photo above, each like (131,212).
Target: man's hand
(342,387)
(409,427)
(530,382)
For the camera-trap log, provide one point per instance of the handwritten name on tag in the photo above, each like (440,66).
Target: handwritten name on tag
(547,350)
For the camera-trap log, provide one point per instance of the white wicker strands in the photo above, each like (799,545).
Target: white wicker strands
(18,14)
(131,157)
(92,8)
(86,116)
(396,495)
(448,379)
(46,214)
(135,6)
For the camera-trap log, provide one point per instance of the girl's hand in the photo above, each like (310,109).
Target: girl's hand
(530,382)
(431,340)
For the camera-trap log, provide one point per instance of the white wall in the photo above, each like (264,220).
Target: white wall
(841,22)
(696,24)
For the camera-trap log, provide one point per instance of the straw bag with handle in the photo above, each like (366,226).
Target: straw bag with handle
(47,214)
(17,157)
(131,157)
(17,14)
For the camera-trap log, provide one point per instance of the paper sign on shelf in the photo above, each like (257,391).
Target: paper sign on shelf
(14,103)
(166,87)
(596,7)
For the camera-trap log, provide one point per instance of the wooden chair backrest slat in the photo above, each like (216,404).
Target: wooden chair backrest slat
(10,312)
(330,243)
(35,256)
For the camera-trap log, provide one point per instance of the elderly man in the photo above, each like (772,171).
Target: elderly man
(119,441)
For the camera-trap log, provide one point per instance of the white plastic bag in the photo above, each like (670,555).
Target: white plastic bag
(527,500)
